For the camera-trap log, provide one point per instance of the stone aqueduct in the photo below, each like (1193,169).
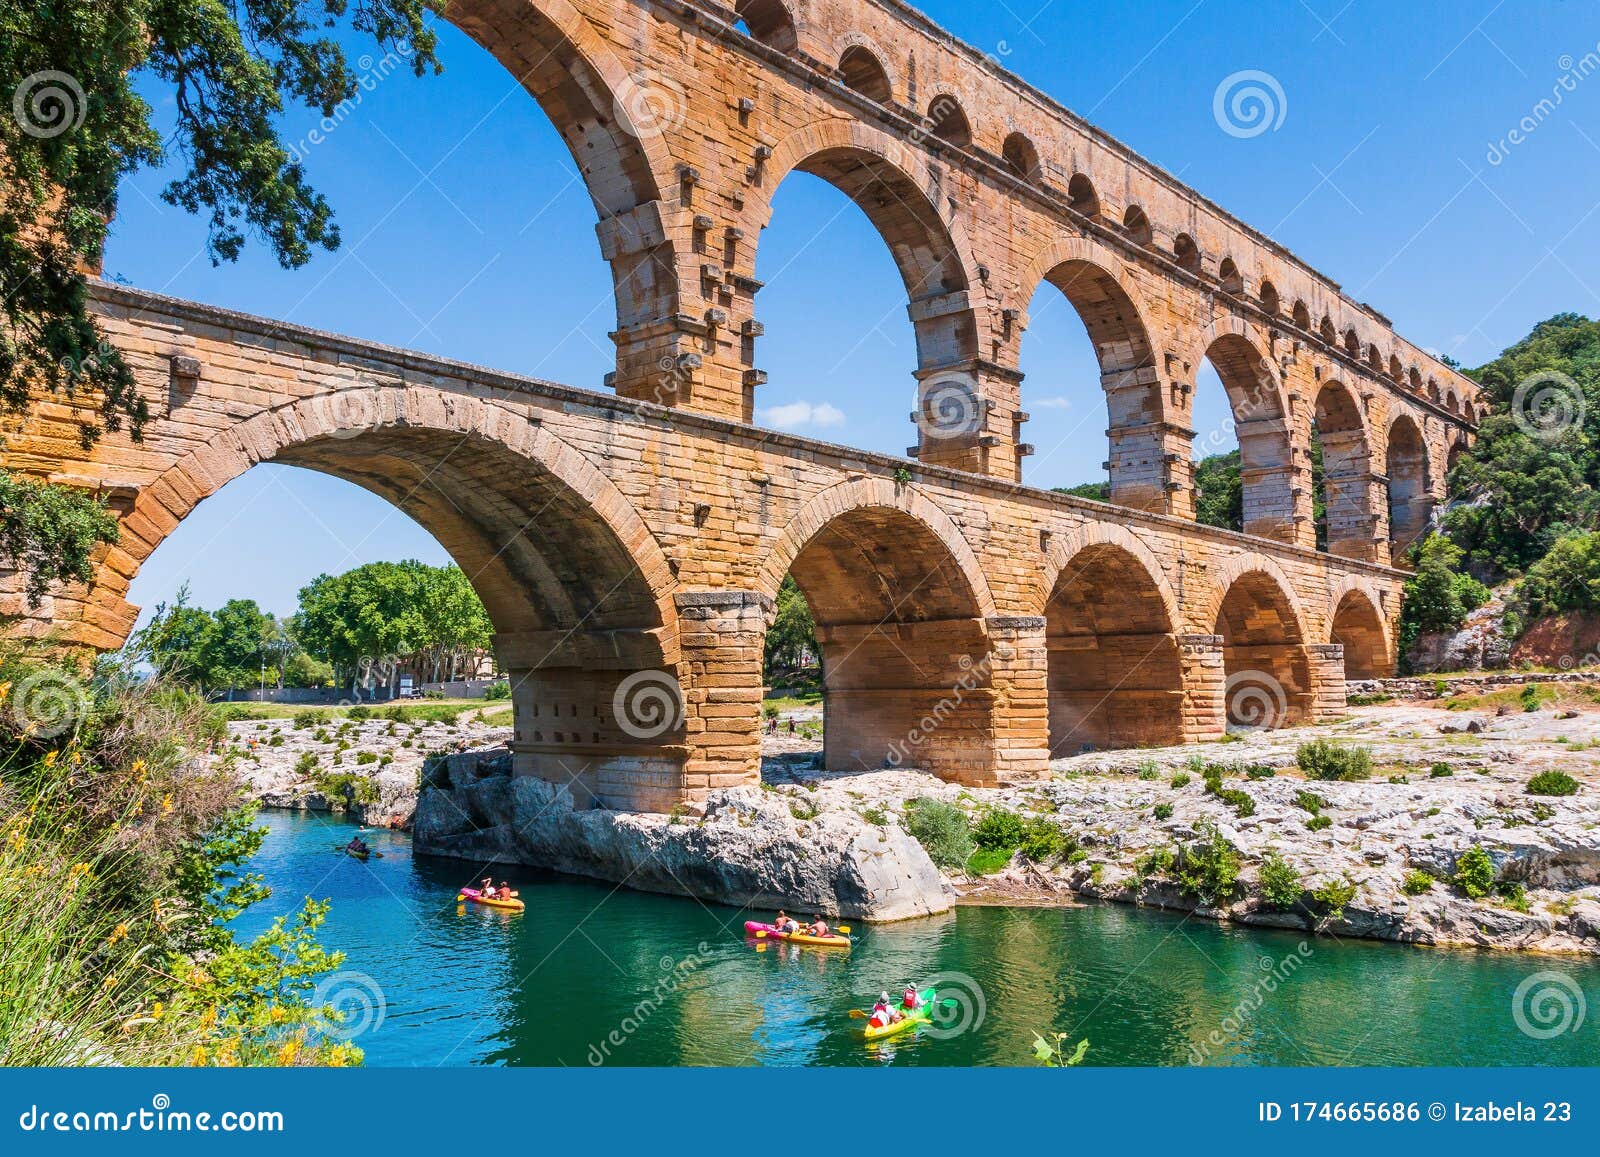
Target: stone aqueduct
(631,541)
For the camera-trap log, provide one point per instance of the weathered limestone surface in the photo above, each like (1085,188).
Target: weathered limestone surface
(628,545)
(748,850)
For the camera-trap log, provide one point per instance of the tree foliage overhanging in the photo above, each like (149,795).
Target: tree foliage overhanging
(76,123)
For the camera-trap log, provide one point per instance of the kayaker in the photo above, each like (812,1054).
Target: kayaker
(817,927)
(486,888)
(505,890)
(356,845)
(912,1000)
(786,923)
(882,1015)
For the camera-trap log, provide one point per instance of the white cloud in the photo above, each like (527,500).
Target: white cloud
(800,415)
(1056,403)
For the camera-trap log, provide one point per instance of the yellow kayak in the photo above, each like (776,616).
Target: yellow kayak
(478,897)
(923,1015)
(751,927)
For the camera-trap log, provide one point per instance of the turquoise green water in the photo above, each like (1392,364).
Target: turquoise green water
(593,974)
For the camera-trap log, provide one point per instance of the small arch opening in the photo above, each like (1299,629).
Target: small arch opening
(1083,198)
(1136,224)
(1186,253)
(1269,298)
(1229,278)
(1021,157)
(948,122)
(863,72)
(769,22)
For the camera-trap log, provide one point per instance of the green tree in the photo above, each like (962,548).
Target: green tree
(459,626)
(792,632)
(1437,597)
(173,640)
(1565,579)
(74,71)
(1220,498)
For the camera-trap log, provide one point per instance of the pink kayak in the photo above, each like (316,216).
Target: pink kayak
(751,927)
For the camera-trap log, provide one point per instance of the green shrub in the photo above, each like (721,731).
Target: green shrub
(1149,770)
(1323,759)
(1155,862)
(1043,841)
(305,765)
(1241,803)
(1369,700)
(1417,882)
(1533,695)
(1475,872)
(359,712)
(365,757)
(1180,779)
(499,689)
(803,809)
(876,816)
(1513,895)
(998,828)
(1552,783)
(942,829)
(1319,823)
(1309,801)
(1441,771)
(1334,896)
(275,741)
(988,861)
(1163,811)
(1437,597)
(769,710)
(304,719)
(1280,883)
(1260,771)
(1208,868)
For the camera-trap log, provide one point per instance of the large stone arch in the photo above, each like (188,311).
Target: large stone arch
(1269,678)
(609,118)
(1107,300)
(1260,416)
(1357,624)
(1355,509)
(929,247)
(1114,672)
(1410,476)
(580,593)
(873,493)
(902,616)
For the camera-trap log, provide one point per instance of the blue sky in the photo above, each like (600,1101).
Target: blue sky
(467,233)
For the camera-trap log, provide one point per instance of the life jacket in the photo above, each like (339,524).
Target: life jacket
(911,998)
(880,1015)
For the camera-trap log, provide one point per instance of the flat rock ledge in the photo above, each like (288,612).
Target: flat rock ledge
(751,848)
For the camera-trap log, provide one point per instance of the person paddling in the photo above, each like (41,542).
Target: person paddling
(817,927)
(912,1000)
(786,923)
(882,1015)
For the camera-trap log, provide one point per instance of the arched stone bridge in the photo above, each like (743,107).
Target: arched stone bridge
(628,544)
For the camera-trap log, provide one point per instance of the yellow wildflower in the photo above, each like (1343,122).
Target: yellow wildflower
(198,1057)
(50,758)
(5,689)
(208,1018)
(157,1011)
(288,1052)
(108,984)
(166,804)
(117,933)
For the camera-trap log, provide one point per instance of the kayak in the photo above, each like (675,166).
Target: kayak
(478,897)
(361,855)
(923,1015)
(751,927)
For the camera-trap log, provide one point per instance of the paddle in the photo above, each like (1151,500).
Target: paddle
(946,1002)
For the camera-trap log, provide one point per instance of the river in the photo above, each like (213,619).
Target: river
(593,974)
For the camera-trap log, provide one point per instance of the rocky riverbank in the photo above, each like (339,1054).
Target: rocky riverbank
(756,848)
(1377,858)
(369,769)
